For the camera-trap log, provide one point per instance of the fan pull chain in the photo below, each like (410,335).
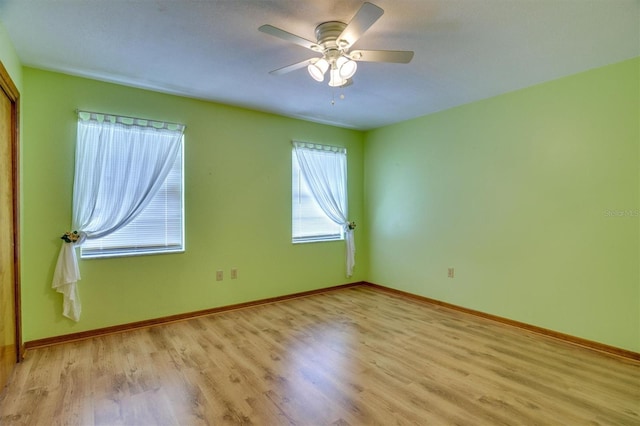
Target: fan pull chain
(333,96)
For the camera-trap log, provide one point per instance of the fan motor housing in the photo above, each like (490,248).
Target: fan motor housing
(327,34)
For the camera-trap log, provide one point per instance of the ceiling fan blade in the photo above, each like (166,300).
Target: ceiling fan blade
(292,67)
(287,36)
(397,56)
(366,16)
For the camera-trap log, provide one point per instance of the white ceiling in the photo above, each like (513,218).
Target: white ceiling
(465,50)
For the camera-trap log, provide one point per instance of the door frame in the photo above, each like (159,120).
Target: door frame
(11,91)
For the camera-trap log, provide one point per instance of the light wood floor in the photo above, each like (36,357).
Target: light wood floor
(356,356)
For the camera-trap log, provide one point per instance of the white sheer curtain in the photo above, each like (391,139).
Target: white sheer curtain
(121,163)
(324,168)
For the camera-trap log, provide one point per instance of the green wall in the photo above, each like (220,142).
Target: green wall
(238,209)
(9,58)
(533,198)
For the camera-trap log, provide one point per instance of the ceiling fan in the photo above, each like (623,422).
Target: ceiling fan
(334,40)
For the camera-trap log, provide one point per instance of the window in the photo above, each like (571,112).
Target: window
(159,228)
(310,222)
(139,169)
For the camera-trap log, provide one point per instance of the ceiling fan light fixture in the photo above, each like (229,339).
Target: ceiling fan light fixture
(346,67)
(335,79)
(318,68)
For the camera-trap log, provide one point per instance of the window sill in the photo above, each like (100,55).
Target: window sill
(115,254)
(317,239)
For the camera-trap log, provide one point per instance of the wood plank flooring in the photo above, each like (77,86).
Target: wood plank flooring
(355,356)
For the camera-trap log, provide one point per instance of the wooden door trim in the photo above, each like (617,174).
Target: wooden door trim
(10,89)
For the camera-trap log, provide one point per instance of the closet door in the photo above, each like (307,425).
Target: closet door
(9,271)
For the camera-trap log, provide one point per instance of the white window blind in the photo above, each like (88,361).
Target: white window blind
(158,229)
(310,223)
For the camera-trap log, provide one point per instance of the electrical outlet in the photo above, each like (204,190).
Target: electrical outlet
(451,273)
(234,273)
(219,275)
